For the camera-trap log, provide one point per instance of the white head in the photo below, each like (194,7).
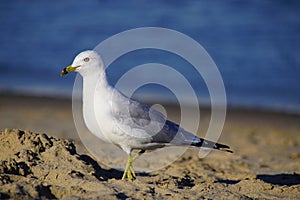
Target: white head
(85,63)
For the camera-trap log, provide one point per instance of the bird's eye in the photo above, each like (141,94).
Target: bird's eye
(86,59)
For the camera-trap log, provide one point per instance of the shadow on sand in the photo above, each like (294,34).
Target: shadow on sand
(276,179)
(105,174)
(280,179)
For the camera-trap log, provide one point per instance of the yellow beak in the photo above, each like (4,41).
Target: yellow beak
(68,69)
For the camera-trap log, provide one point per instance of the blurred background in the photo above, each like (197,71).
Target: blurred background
(255,44)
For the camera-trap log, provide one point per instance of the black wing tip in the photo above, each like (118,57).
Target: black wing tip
(209,144)
(227,150)
(223,147)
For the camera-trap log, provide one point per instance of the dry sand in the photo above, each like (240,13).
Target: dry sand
(34,165)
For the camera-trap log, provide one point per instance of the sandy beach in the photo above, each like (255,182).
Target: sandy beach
(42,157)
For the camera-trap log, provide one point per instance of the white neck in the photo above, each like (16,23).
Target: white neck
(92,82)
(96,92)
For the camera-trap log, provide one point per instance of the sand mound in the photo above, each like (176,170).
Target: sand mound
(38,166)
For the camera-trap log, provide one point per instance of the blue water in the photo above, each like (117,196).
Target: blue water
(255,44)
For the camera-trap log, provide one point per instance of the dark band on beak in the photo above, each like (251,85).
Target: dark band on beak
(64,72)
(68,70)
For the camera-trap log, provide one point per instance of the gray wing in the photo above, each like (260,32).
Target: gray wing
(153,129)
(144,121)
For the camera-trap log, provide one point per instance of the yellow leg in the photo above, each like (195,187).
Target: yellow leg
(138,155)
(129,171)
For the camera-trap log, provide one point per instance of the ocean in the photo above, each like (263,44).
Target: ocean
(255,45)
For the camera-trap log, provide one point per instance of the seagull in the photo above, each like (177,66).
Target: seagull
(115,118)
